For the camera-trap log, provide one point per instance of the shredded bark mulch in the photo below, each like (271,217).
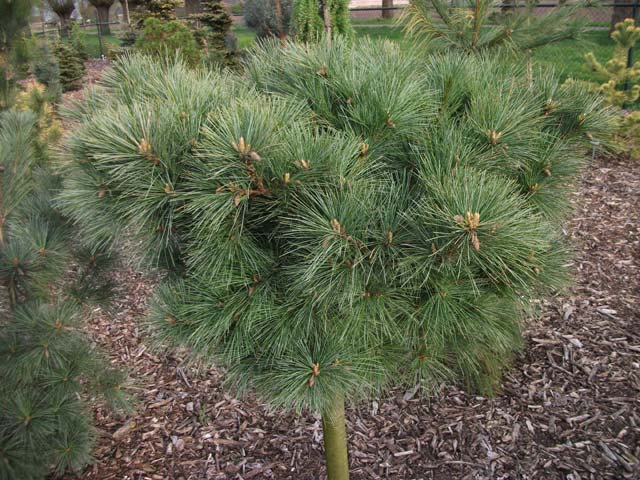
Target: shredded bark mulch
(569,407)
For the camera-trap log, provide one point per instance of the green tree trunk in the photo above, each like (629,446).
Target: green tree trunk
(335,441)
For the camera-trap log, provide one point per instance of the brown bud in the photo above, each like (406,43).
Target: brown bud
(254,156)
(287,177)
(494,137)
(305,164)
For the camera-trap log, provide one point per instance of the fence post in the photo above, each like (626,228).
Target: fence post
(635,19)
(99,25)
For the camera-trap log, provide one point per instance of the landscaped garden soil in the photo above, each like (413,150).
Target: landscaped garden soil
(569,406)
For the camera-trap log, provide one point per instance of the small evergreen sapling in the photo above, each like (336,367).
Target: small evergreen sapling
(47,366)
(161,38)
(215,28)
(341,219)
(313,19)
(621,86)
(70,64)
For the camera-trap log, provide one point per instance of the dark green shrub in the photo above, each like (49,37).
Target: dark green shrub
(214,32)
(47,71)
(160,38)
(78,43)
(260,15)
(70,64)
(160,9)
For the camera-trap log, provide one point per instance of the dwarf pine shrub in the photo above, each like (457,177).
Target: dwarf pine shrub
(340,219)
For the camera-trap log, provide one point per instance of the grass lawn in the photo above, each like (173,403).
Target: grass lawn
(246,36)
(92,41)
(568,57)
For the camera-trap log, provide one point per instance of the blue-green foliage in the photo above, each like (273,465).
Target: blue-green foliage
(339,219)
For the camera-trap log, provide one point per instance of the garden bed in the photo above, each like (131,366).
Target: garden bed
(569,407)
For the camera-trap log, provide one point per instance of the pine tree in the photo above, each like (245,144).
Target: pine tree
(480,25)
(340,219)
(313,19)
(621,87)
(215,24)
(14,20)
(49,370)
(70,65)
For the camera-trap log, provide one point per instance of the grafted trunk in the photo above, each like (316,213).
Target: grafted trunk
(387,13)
(65,19)
(335,441)
(102,12)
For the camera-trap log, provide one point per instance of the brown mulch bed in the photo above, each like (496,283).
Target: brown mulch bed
(569,408)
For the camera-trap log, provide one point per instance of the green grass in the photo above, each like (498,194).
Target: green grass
(374,21)
(92,42)
(567,57)
(246,36)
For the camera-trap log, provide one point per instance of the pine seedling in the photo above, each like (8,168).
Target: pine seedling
(621,86)
(341,219)
(215,24)
(48,368)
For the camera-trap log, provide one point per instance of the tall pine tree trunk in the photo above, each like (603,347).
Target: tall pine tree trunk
(102,12)
(335,441)
(387,13)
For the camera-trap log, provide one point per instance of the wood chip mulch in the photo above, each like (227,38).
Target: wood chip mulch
(569,407)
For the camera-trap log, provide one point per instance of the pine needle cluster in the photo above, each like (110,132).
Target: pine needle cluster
(48,368)
(340,219)
(480,25)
